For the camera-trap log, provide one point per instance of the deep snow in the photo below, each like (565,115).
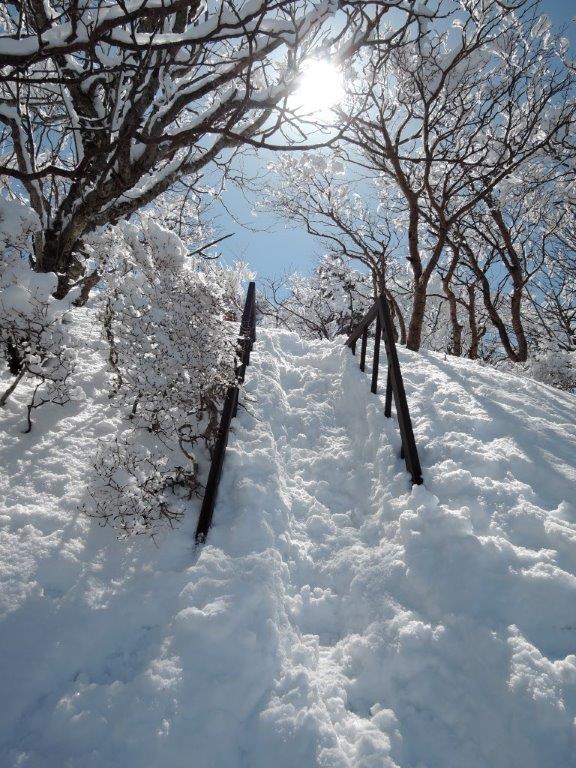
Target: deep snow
(337,616)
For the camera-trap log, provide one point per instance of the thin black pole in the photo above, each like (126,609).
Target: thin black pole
(376,361)
(404,420)
(211,491)
(388,401)
(247,314)
(363,349)
(229,410)
(235,406)
(380,311)
(247,331)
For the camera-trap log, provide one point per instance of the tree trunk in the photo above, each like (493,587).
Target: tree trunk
(56,254)
(421,280)
(453,307)
(476,332)
(414,335)
(515,268)
(397,312)
(88,282)
(493,313)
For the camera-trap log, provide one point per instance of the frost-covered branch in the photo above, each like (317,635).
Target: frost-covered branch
(106,106)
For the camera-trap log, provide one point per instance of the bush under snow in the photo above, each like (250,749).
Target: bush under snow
(171,355)
(33,339)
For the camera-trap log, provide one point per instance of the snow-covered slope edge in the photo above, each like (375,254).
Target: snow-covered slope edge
(336,617)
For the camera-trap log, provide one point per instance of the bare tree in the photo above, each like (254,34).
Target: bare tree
(449,119)
(552,292)
(104,106)
(322,305)
(341,209)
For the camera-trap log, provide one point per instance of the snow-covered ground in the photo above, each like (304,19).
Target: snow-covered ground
(336,617)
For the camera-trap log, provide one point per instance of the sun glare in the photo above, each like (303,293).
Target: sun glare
(321,87)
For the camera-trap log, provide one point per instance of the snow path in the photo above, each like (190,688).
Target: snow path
(406,626)
(337,617)
(323,432)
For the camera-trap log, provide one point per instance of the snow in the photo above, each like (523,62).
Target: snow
(337,617)
(16,223)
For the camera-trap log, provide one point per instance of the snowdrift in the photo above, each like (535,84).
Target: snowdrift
(337,617)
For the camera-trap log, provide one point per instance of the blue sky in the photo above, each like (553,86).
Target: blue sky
(269,247)
(277,249)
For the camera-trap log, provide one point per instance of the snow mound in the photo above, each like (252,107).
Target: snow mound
(337,617)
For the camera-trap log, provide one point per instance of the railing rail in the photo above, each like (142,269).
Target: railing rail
(246,341)
(380,312)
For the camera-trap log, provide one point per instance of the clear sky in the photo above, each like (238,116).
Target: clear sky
(276,249)
(268,246)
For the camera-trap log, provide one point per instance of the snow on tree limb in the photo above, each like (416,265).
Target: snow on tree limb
(102,110)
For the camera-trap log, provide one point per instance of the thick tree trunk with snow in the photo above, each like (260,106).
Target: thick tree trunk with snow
(58,254)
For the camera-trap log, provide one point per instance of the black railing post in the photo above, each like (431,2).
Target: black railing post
(380,311)
(376,361)
(235,408)
(402,412)
(388,400)
(248,311)
(211,490)
(245,342)
(247,330)
(363,349)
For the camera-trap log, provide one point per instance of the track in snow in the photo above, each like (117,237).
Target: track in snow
(336,617)
(309,474)
(385,627)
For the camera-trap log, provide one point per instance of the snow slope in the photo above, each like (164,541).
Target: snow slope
(337,616)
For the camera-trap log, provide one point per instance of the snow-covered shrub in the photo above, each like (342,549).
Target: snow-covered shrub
(553,366)
(18,224)
(32,336)
(324,304)
(141,487)
(171,357)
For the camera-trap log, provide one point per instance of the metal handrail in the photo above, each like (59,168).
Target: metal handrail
(246,341)
(380,312)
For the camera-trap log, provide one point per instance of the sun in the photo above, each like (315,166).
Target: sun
(320,88)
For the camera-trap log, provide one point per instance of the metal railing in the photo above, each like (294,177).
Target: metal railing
(246,341)
(380,312)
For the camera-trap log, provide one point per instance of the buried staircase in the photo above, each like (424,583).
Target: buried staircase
(378,314)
